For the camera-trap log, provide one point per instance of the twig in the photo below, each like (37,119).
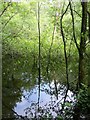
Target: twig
(5,9)
(9,20)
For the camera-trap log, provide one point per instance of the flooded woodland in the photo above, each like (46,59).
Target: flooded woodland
(45,60)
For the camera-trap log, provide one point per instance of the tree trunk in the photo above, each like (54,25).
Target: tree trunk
(82,44)
(77,109)
(39,56)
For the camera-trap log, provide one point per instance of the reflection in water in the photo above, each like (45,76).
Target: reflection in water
(20,91)
(49,105)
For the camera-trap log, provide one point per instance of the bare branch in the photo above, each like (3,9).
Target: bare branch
(77,13)
(5,9)
(74,36)
(9,20)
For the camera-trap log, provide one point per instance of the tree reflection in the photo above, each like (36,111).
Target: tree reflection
(13,85)
(19,77)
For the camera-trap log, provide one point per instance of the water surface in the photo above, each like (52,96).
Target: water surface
(47,101)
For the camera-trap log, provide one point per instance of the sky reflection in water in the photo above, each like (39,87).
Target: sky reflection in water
(48,99)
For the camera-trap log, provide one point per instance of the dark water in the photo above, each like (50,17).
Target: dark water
(21,95)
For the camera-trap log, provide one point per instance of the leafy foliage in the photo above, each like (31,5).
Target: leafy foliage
(20,51)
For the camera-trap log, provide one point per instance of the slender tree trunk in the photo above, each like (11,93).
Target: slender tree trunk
(65,55)
(88,25)
(88,117)
(73,26)
(64,43)
(39,56)
(55,84)
(49,53)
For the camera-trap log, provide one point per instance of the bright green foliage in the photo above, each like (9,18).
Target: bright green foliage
(20,48)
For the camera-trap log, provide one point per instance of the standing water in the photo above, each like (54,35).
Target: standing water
(49,104)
